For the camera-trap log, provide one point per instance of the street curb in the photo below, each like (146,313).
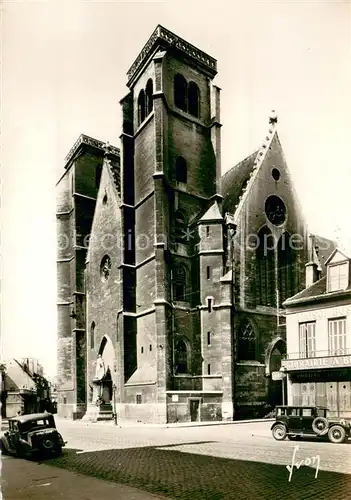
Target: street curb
(163,426)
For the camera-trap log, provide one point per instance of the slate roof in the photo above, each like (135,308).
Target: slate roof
(145,374)
(212,214)
(323,248)
(234,181)
(316,291)
(16,378)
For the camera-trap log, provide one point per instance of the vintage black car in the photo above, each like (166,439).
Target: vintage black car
(32,435)
(295,422)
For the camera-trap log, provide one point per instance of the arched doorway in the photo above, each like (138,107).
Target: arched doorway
(275,353)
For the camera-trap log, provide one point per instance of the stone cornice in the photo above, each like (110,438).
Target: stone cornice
(89,141)
(166,38)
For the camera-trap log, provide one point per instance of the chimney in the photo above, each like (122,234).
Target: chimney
(312,273)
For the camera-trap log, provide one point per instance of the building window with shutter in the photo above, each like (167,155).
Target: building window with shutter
(338,277)
(307,339)
(337,336)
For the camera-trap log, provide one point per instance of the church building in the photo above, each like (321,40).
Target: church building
(172,276)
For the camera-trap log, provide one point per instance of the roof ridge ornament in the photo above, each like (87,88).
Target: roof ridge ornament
(273,118)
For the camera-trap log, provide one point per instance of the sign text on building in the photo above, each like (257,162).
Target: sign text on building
(329,362)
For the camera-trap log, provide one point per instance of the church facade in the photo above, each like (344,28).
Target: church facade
(171,277)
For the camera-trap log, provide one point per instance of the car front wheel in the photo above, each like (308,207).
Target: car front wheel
(279,432)
(337,434)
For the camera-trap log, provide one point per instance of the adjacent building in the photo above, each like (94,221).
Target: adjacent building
(318,362)
(24,389)
(171,276)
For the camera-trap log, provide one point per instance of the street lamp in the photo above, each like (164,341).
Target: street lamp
(114,388)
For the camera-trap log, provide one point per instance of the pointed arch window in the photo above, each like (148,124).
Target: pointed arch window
(92,335)
(180,227)
(179,283)
(181,360)
(181,170)
(265,268)
(286,268)
(141,107)
(193,99)
(246,342)
(149,100)
(180,92)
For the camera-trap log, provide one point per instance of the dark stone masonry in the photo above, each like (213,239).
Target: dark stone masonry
(170,275)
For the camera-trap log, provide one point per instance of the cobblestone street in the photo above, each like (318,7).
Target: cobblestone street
(211,462)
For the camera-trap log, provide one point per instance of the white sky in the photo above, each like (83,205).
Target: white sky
(64,69)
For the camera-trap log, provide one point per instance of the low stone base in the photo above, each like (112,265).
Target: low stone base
(147,413)
(98,413)
(91,414)
(227,411)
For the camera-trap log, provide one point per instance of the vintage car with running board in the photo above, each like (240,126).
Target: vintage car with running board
(296,422)
(31,436)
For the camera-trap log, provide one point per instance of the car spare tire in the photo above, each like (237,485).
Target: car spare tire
(320,426)
(48,444)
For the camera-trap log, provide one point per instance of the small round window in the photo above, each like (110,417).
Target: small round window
(105,268)
(104,199)
(275,174)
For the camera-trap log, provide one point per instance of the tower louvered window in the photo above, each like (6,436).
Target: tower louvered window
(193,99)
(181,357)
(141,107)
(180,92)
(179,283)
(149,99)
(181,170)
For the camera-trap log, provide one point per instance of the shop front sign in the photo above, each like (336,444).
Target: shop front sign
(327,362)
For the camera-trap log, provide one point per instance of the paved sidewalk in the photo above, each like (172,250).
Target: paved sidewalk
(110,423)
(25,480)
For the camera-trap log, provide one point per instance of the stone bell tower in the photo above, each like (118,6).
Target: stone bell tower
(170,169)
